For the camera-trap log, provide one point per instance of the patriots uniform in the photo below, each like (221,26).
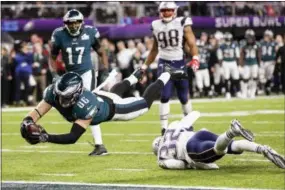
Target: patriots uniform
(76,50)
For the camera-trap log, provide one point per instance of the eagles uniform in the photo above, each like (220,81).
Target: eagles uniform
(76,51)
(202,75)
(170,41)
(100,106)
(267,64)
(250,70)
(228,54)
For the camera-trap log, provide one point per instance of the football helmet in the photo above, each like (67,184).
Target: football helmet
(68,88)
(155,145)
(167,11)
(269,34)
(250,36)
(73,21)
(228,37)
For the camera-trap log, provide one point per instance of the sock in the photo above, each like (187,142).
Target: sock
(132,79)
(164,77)
(253,88)
(186,108)
(222,143)
(244,86)
(96,133)
(164,110)
(244,145)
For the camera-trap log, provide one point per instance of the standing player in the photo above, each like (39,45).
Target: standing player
(169,34)
(267,65)
(228,55)
(202,75)
(249,59)
(183,149)
(75,41)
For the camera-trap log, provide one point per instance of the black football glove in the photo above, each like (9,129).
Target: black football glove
(33,137)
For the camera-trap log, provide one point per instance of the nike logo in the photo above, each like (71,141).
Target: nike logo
(88,108)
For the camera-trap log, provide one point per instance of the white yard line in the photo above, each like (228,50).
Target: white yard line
(54,174)
(135,140)
(251,160)
(113,185)
(126,169)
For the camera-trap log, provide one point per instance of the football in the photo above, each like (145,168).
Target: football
(33,129)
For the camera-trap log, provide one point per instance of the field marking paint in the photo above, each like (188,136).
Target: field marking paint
(171,102)
(114,185)
(70,152)
(126,169)
(50,174)
(251,160)
(135,140)
(32,147)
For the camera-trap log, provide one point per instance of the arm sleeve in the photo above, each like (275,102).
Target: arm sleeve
(96,42)
(172,164)
(69,138)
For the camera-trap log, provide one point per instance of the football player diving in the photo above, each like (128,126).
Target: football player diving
(75,40)
(181,148)
(83,108)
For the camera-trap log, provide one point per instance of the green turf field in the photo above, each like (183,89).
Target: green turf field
(131,160)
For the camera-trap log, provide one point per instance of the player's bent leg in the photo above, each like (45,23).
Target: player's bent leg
(200,147)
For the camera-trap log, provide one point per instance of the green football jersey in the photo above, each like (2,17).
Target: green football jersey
(250,54)
(88,106)
(268,51)
(76,50)
(229,52)
(204,54)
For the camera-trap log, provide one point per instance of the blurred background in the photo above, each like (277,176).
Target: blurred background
(125,32)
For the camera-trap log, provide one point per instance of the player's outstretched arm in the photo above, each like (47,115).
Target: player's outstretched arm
(153,53)
(173,164)
(78,128)
(41,109)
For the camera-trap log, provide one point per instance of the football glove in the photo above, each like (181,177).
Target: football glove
(194,64)
(33,136)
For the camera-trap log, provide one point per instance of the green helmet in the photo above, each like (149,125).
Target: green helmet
(68,88)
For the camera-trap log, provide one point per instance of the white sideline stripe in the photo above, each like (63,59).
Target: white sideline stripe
(261,134)
(127,169)
(153,122)
(127,185)
(49,174)
(171,102)
(71,152)
(251,160)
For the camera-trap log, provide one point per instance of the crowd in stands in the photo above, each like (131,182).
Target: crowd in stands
(23,82)
(107,12)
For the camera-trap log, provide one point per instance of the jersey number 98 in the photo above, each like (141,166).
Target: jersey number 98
(169,38)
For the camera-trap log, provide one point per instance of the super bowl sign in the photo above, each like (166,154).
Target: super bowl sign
(255,22)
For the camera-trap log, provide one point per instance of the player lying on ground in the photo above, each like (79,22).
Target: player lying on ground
(180,148)
(83,107)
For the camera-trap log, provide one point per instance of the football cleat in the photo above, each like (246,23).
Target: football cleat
(273,156)
(238,130)
(176,74)
(138,73)
(99,150)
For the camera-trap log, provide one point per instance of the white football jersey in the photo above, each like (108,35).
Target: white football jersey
(170,37)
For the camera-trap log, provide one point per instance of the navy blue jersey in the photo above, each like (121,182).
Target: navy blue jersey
(88,106)
(76,50)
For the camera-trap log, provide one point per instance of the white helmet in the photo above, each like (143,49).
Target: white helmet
(155,145)
(268,33)
(168,5)
(73,16)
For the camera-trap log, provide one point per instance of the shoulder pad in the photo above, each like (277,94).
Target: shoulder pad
(93,30)
(48,94)
(185,21)
(86,106)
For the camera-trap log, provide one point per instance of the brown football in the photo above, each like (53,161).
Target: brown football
(33,129)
